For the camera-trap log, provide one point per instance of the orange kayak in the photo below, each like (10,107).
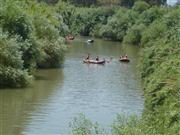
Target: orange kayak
(124,60)
(70,37)
(94,61)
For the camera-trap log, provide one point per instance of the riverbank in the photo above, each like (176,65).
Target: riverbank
(31,37)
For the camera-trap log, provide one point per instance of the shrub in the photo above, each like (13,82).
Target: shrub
(14,20)
(134,34)
(54,53)
(118,24)
(140,6)
(83,126)
(12,73)
(151,14)
(12,77)
(86,19)
(154,31)
(28,25)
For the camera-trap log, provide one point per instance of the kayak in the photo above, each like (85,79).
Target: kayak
(90,40)
(124,60)
(94,61)
(70,37)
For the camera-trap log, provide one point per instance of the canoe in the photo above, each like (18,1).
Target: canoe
(124,60)
(94,61)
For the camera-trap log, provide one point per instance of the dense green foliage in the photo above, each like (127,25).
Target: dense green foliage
(12,73)
(29,39)
(81,20)
(124,3)
(87,20)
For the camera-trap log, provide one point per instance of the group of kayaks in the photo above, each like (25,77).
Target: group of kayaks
(71,37)
(91,61)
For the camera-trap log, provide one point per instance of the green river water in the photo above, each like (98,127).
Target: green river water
(58,95)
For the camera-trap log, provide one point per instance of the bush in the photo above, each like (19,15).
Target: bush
(12,73)
(153,32)
(54,53)
(140,6)
(10,53)
(151,14)
(83,126)
(15,20)
(86,19)
(27,24)
(14,78)
(117,25)
(134,34)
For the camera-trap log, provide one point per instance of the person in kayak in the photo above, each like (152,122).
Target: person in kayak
(126,57)
(88,57)
(97,58)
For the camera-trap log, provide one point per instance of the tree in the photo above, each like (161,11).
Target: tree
(49,1)
(127,3)
(140,6)
(156,2)
(82,2)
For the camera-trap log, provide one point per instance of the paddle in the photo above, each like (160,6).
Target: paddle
(108,61)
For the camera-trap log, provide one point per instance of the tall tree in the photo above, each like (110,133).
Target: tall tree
(49,1)
(82,2)
(127,3)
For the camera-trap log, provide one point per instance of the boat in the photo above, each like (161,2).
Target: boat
(70,37)
(94,61)
(124,60)
(90,40)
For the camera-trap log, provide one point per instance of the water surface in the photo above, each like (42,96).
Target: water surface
(58,95)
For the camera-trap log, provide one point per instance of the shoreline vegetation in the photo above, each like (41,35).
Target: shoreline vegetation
(32,36)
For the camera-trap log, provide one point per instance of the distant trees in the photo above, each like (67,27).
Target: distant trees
(156,2)
(82,2)
(124,3)
(49,1)
(127,3)
(130,3)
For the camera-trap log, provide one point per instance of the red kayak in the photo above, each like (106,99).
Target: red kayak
(124,60)
(94,61)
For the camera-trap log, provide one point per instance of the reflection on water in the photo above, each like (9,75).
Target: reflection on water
(17,105)
(58,95)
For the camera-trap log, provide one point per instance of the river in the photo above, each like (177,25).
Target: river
(100,92)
